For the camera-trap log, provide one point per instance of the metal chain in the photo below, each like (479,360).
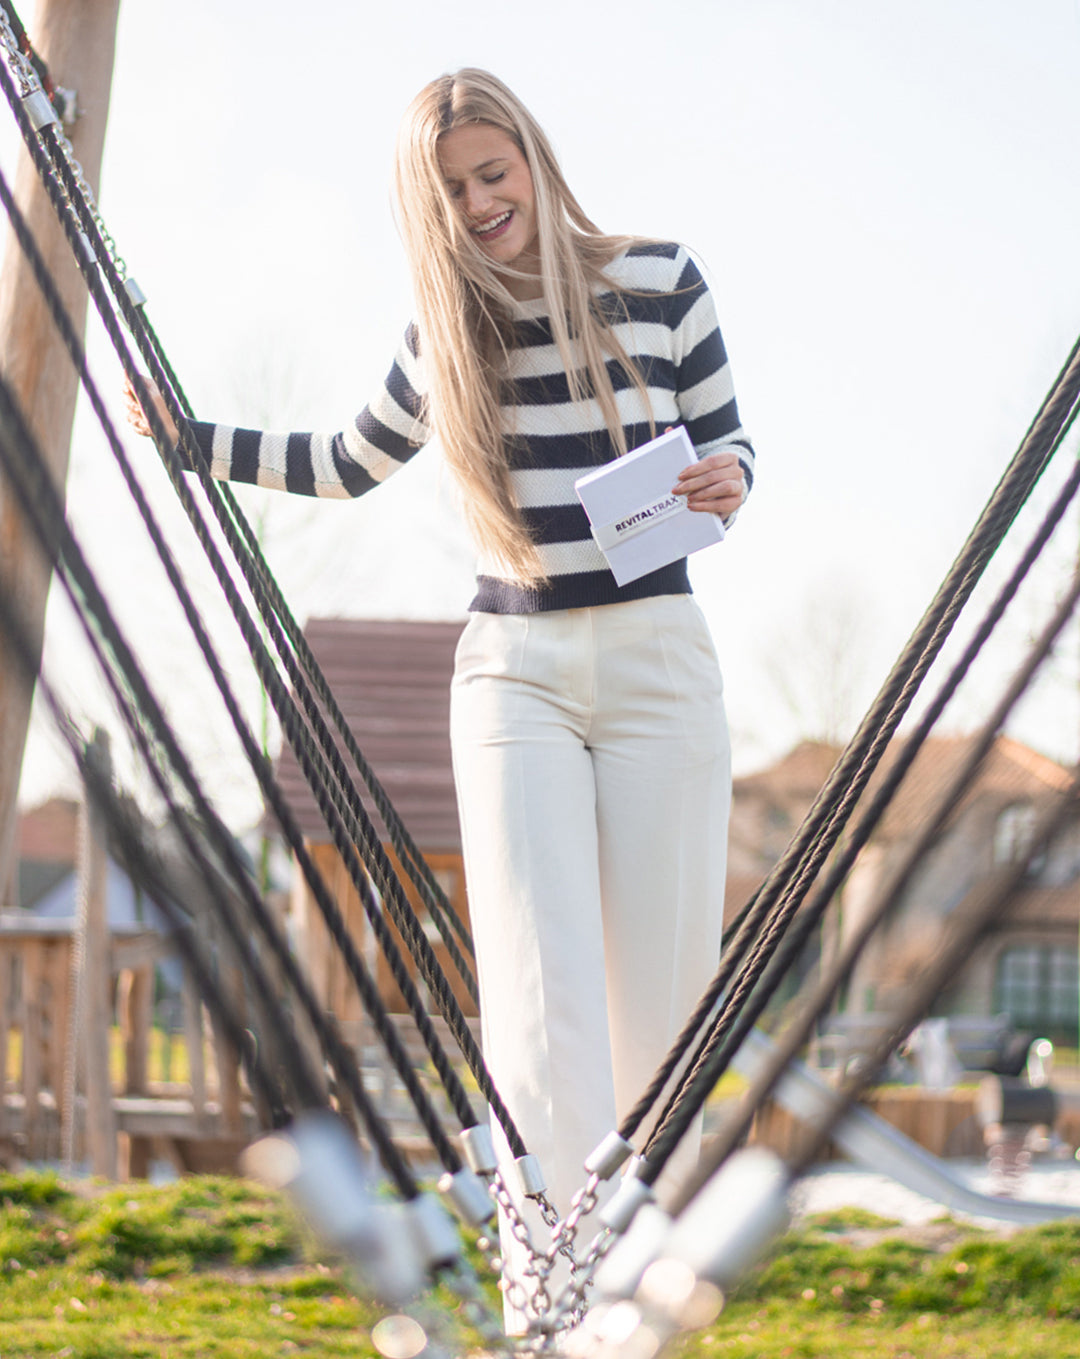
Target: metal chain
(572,1304)
(537,1301)
(21,66)
(564,1232)
(30,83)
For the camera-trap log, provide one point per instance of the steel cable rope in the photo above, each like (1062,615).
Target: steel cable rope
(964,927)
(143,871)
(821,827)
(344,844)
(18,455)
(408,852)
(131,300)
(354,825)
(367,987)
(41,503)
(59,98)
(449,1268)
(79,200)
(730,1028)
(969,932)
(189,454)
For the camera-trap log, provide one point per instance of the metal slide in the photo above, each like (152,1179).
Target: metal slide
(878,1146)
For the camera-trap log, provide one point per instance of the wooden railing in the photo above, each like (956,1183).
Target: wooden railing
(55,1014)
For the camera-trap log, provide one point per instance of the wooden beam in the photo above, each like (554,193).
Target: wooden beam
(94,1019)
(76,39)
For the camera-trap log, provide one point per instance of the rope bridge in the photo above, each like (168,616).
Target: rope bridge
(664,1271)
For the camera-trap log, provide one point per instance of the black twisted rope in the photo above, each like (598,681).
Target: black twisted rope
(779,896)
(342,1057)
(731,1027)
(408,852)
(26,47)
(348,821)
(41,503)
(335,924)
(967,925)
(341,808)
(409,855)
(359,828)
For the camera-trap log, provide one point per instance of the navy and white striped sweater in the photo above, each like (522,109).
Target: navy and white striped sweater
(672,335)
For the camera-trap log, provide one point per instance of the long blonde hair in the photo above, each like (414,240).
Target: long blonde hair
(464,310)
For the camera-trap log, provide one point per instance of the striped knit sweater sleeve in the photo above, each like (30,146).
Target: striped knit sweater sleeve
(663,314)
(382,438)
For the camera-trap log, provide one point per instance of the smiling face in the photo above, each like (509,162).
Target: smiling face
(491,185)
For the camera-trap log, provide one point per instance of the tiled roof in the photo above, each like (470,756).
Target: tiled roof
(392,681)
(49,832)
(1011,773)
(802,771)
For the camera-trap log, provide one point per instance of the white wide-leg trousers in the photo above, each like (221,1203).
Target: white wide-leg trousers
(593,773)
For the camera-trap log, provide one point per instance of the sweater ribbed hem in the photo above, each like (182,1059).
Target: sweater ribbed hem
(582,590)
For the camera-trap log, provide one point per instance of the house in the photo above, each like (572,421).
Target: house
(47,839)
(391,680)
(1026,966)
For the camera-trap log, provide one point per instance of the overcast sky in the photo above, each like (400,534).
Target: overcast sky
(884,196)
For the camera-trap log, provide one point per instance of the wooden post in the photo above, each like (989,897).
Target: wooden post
(33,1065)
(7,1015)
(95,991)
(136,1013)
(194,1038)
(76,39)
(135,1003)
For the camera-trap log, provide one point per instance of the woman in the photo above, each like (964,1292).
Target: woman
(590,747)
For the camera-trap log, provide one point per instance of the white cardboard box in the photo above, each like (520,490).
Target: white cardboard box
(637,523)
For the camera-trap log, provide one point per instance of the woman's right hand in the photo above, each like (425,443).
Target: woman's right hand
(137,402)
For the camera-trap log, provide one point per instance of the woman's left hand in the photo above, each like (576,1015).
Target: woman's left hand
(714,485)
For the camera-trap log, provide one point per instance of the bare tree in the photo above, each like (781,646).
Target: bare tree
(817,667)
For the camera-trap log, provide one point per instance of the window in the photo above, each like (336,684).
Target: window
(1039,986)
(1012,835)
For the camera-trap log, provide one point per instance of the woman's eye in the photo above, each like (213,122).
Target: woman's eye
(494,179)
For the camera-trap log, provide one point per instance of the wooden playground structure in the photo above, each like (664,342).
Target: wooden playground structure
(66,986)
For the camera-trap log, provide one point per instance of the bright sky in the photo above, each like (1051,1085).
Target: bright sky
(885,199)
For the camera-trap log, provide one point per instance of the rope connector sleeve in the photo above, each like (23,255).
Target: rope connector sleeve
(136,296)
(608,1156)
(620,1210)
(434,1234)
(621,1269)
(732,1221)
(479,1148)
(468,1196)
(530,1176)
(318,1162)
(39,110)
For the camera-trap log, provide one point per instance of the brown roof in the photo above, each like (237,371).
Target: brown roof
(392,681)
(1011,773)
(802,772)
(49,831)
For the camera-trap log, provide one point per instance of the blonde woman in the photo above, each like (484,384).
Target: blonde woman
(591,753)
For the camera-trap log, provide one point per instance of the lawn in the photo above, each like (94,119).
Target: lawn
(218,1267)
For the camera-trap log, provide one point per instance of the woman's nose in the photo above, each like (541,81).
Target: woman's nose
(477,200)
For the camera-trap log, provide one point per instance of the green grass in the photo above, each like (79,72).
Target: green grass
(218,1267)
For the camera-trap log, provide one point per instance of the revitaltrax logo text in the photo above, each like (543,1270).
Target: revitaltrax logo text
(649,512)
